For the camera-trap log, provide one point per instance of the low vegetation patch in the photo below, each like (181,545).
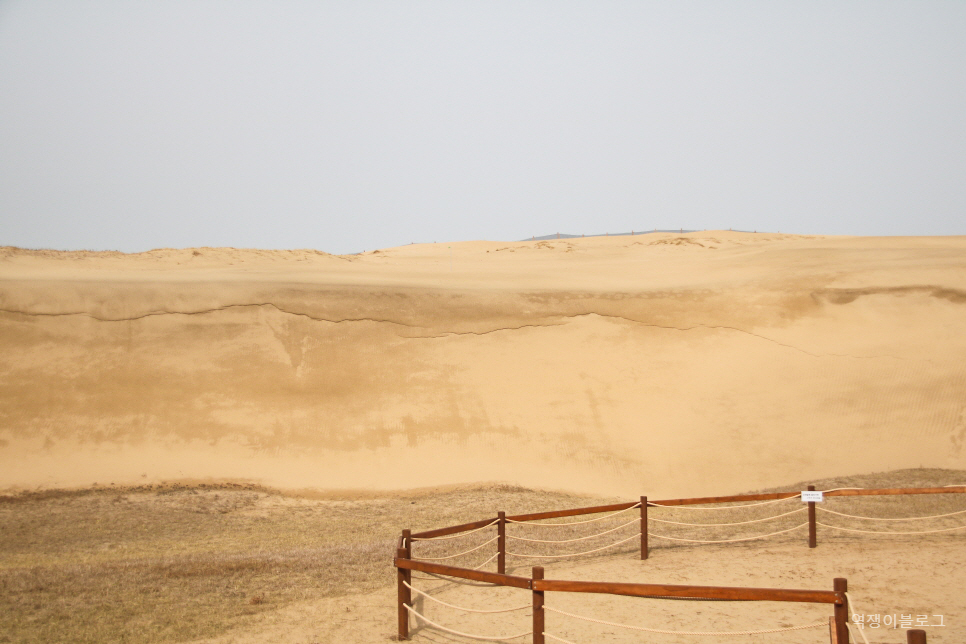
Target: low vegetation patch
(175,563)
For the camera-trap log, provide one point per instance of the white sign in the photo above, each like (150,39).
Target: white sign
(811,496)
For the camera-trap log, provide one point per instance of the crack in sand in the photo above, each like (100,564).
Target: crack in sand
(206,311)
(449,334)
(738,330)
(458,333)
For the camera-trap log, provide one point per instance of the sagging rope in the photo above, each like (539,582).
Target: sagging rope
(458,554)
(487,638)
(458,534)
(666,632)
(554,637)
(853,516)
(491,558)
(455,580)
(777,516)
(835,527)
(848,603)
(727,507)
(494,556)
(575,554)
(761,536)
(468,610)
(509,536)
(557,525)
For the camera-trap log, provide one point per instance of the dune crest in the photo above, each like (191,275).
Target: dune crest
(666,364)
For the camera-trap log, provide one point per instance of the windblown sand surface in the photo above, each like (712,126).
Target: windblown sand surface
(667,365)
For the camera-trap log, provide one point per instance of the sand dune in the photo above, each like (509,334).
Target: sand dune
(657,364)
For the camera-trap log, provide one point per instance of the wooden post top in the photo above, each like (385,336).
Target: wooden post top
(916,636)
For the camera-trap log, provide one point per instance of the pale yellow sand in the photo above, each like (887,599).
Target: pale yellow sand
(703,363)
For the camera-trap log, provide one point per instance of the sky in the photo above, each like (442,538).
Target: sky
(348,126)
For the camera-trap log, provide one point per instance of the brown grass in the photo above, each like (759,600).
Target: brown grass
(177,563)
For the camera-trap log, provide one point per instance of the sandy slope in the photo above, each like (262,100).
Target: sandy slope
(659,364)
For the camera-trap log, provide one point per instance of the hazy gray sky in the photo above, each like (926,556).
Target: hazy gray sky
(353,125)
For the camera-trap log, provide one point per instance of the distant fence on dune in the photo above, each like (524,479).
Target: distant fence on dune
(637,530)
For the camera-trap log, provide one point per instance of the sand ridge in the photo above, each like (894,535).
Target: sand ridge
(660,363)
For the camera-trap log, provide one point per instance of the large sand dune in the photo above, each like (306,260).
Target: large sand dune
(657,364)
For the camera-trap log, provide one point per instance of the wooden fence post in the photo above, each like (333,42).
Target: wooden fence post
(537,606)
(916,636)
(403,577)
(812,542)
(643,528)
(841,585)
(501,543)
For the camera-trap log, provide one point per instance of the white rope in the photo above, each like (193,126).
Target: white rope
(495,555)
(454,580)
(777,516)
(458,534)
(575,554)
(727,507)
(853,516)
(848,603)
(836,489)
(468,610)
(458,554)
(835,527)
(557,525)
(554,637)
(957,485)
(577,539)
(848,627)
(664,632)
(761,536)
(475,637)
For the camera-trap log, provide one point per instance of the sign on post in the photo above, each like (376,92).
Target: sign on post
(811,496)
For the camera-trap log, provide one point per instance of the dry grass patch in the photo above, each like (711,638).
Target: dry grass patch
(181,563)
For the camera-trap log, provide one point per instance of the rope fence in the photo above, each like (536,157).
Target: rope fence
(559,639)
(407,563)
(855,516)
(460,554)
(668,632)
(836,527)
(848,603)
(494,556)
(760,536)
(458,534)
(772,518)
(467,610)
(485,638)
(559,525)
(590,536)
(727,507)
(574,554)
